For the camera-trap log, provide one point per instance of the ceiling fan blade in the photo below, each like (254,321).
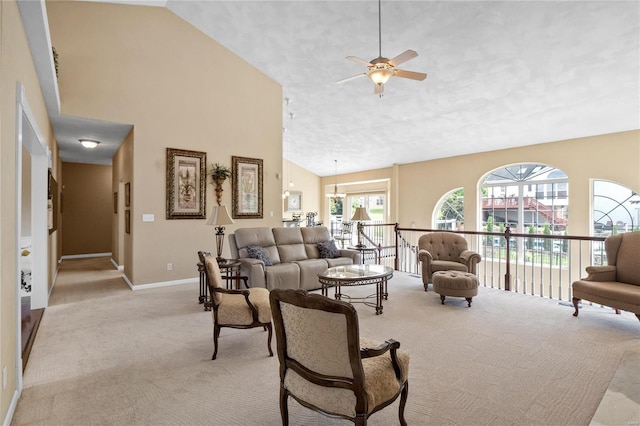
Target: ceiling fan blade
(403,57)
(351,78)
(359,61)
(410,74)
(378,88)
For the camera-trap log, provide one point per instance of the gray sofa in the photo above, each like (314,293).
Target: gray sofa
(293,252)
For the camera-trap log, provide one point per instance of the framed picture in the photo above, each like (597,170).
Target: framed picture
(246,187)
(186,181)
(293,203)
(127,221)
(127,194)
(115,202)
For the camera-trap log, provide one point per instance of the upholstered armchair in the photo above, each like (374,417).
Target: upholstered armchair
(326,366)
(246,308)
(445,251)
(618,284)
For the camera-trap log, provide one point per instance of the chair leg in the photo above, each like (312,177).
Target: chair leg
(575,305)
(284,409)
(442,297)
(360,420)
(216,334)
(468,301)
(270,329)
(403,402)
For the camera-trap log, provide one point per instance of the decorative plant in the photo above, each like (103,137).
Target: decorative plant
(219,174)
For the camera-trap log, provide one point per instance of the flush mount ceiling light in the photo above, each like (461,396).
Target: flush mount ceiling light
(89,143)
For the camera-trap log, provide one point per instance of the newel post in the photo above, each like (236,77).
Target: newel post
(507,275)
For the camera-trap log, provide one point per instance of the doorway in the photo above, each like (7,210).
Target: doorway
(31,218)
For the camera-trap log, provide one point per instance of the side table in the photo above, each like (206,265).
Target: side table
(230,270)
(364,250)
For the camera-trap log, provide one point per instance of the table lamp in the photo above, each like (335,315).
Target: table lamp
(219,217)
(360,215)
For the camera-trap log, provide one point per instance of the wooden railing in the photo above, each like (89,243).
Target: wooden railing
(536,264)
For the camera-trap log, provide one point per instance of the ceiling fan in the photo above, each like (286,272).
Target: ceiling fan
(381,69)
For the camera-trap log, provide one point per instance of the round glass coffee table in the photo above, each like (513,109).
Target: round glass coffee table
(354,275)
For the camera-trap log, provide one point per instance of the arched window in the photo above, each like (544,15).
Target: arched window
(450,210)
(616,208)
(531,198)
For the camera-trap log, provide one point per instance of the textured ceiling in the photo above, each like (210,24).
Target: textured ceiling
(500,74)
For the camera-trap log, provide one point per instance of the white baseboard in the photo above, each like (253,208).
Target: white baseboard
(162,284)
(84,256)
(118,267)
(12,408)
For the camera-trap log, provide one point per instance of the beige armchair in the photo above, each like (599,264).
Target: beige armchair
(246,308)
(445,251)
(326,367)
(618,284)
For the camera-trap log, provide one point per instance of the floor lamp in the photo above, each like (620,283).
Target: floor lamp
(360,215)
(219,218)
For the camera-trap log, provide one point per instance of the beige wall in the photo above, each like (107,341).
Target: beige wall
(416,188)
(179,89)
(305,182)
(121,242)
(16,65)
(422,184)
(87,208)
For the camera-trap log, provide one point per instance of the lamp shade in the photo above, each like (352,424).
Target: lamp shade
(219,216)
(360,214)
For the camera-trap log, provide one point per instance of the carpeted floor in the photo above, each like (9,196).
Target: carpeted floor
(108,355)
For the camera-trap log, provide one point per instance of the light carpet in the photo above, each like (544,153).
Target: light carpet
(137,358)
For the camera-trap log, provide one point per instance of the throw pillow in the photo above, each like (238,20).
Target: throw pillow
(328,250)
(256,252)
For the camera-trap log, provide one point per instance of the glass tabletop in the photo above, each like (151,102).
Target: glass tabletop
(356,272)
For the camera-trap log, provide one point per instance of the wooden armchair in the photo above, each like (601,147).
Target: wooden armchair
(322,365)
(445,251)
(246,308)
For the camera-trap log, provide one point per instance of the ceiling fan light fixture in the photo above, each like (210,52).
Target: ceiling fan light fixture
(89,143)
(380,75)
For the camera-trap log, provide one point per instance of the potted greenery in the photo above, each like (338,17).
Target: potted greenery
(219,174)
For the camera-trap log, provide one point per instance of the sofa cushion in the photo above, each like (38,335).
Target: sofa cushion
(311,237)
(328,250)
(283,275)
(262,237)
(289,243)
(256,252)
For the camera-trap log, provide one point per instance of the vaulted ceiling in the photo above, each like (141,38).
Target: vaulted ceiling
(500,74)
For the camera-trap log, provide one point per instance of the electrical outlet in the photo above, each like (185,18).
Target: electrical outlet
(169,266)
(4,377)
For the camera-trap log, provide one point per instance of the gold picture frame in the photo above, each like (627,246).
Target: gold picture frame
(186,183)
(246,188)
(127,221)
(127,194)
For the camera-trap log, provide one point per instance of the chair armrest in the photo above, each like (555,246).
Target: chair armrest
(240,277)
(601,273)
(380,349)
(424,255)
(354,255)
(390,345)
(470,256)
(243,292)
(229,291)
